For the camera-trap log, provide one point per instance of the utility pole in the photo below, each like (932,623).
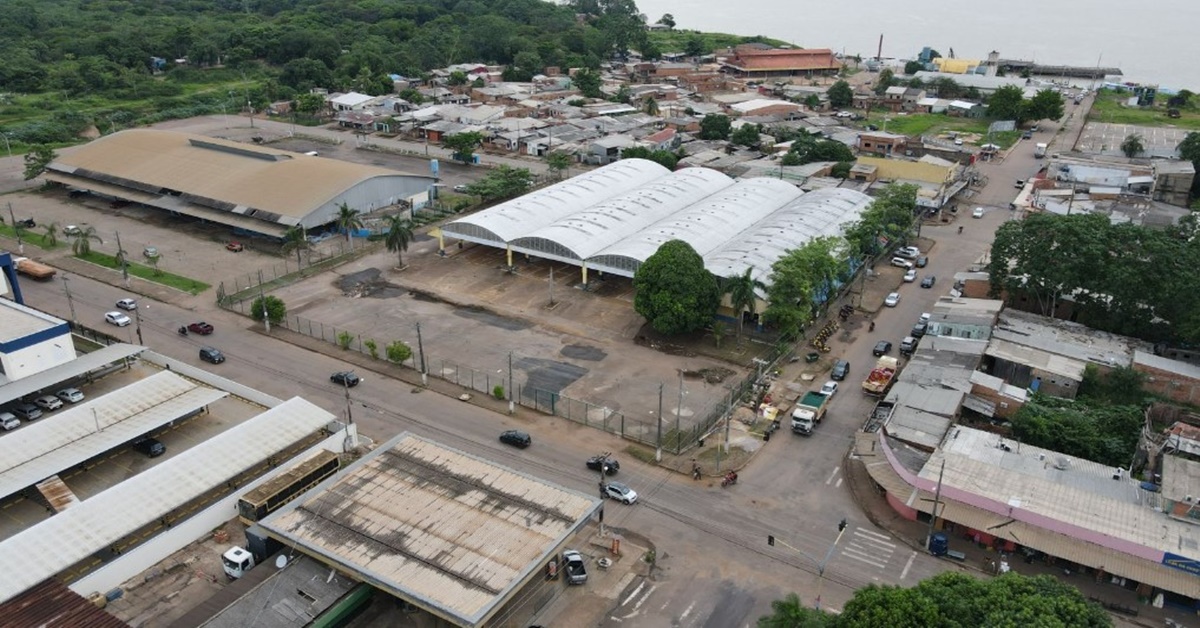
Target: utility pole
(933,514)
(551,285)
(658,440)
(512,400)
(17,229)
(346,390)
(70,301)
(137,316)
(262,298)
(679,407)
(421,352)
(122,255)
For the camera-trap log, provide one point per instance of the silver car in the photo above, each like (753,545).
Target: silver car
(619,492)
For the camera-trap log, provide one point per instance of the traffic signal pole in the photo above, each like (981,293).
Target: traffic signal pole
(771,540)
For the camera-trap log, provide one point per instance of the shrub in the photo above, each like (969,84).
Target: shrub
(344,338)
(398,352)
(498,392)
(372,348)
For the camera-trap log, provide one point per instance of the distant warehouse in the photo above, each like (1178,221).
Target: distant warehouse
(248,187)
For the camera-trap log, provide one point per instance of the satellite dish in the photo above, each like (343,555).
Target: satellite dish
(280,561)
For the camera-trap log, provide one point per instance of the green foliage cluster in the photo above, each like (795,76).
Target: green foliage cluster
(715,126)
(888,221)
(675,293)
(463,145)
(1125,279)
(275,310)
(397,352)
(1189,149)
(841,94)
(666,158)
(502,182)
(1009,103)
(1098,431)
(802,279)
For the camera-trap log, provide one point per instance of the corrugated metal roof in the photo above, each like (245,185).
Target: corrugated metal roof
(51,604)
(65,539)
(63,372)
(452,533)
(86,430)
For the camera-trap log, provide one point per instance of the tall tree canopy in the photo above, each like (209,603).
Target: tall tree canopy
(675,293)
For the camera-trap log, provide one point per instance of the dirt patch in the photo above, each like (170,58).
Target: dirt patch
(712,375)
(583,352)
(368,283)
(494,320)
(543,375)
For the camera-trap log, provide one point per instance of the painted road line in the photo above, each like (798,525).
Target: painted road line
(831,476)
(908,565)
(863,557)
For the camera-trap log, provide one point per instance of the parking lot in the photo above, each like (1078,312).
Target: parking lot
(1105,139)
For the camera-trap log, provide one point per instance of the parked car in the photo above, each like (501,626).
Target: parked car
(829,388)
(841,369)
(892,299)
(211,355)
(26,411)
(908,345)
(116,318)
(922,261)
(1027,135)
(901,262)
(1019,184)
(460,188)
(910,276)
(9,422)
(127,304)
(48,402)
(201,328)
(516,438)
(574,567)
(152,447)
(71,230)
(883,347)
(919,329)
(150,252)
(909,252)
(978,213)
(619,492)
(236,247)
(70,395)
(928,281)
(611,466)
(345,378)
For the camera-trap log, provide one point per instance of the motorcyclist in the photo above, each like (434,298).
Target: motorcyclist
(182,330)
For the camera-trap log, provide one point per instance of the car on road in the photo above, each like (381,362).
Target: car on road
(461,189)
(516,438)
(211,355)
(26,411)
(116,318)
(574,567)
(908,345)
(841,369)
(928,281)
(919,329)
(70,395)
(922,262)
(892,299)
(910,252)
(201,328)
(610,465)
(127,304)
(829,388)
(150,252)
(978,213)
(72,230)
(345,378)
(48,402)
(236,247)
(152,447)
(910,276)
(901,262)
(619,492)
(1019,184)
(1027,135)
(883,347)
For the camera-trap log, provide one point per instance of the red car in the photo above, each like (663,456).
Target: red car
(201,328)
(236,247)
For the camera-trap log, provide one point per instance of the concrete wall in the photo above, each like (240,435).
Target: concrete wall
(1171,385)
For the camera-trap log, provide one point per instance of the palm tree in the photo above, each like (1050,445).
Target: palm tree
(650,106)
(348,220)
(743,296)
(51,238)
(81,244)
(399,234)
(295,239)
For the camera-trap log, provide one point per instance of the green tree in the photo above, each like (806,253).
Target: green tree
(399,233)
(37,159)
(295,240)
(694,47)
(665,158)
(715,126)
(841,170)
(502,182)
(1133,146)
(457,78)
(51,238)
(801,279)
(587,81)
(623,95)
(674,292)
(349,220)
(410,94)
(743,292)
(1007,103)
(746,135)
(841,95)
(276,309)
(812,101)
(81,242)
(1047,104)
(398,352)
(790,612)
(1047,256)
(558,163)
(1181,100)
(912,67)
(310,104)
(463,144)
(887,79)
(890,217)
(667,20)
(650,105)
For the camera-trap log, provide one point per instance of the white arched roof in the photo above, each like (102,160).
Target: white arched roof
(584,233)
(705,225)
(507,221)
(818,213)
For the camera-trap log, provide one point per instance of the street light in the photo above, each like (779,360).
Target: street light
(771,540)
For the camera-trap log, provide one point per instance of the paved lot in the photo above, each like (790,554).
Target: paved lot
(1105,139)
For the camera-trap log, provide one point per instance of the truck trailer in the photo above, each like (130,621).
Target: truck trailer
(36,270)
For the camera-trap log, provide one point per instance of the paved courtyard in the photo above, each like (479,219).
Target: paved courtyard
(1105,139)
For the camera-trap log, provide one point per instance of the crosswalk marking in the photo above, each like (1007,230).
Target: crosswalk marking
(872,548)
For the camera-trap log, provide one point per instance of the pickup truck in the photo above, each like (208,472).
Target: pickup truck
(879,380)
(808,412)
(574,567)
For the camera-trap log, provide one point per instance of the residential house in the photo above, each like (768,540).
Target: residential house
(966,109)
(606,150)
(751,61)
(893,98)
(1173,181)
(666,139)
(880,143)
(765,107)
(352,101)
(912,96)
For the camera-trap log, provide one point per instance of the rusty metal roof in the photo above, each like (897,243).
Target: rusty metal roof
(447,531)
(50,604)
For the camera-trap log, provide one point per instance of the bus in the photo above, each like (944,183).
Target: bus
(281,489)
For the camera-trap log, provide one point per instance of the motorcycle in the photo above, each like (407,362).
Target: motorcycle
(730,478)
(183,331)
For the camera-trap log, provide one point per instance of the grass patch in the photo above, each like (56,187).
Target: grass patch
(676,40)
(929,123)
(29,237)
(1109,107)
(640,453)
(172,280)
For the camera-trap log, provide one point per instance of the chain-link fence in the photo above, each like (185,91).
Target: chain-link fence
(247,287)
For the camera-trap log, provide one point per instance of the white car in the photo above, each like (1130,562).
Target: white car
(910,276)
(908,251)
(70,395)
(619,492)
(978,213)
(829,389)
(116,318)
(72,230)
(48,402)
(892,299)
(902,263)
(127,304)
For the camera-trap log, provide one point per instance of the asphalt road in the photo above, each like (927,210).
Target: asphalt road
(715,568)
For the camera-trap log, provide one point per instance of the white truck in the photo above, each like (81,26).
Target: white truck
(808,412)
(238,560)
(1039,151)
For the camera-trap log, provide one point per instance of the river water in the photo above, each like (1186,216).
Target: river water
(1155,42)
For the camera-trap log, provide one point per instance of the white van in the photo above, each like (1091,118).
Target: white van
(8,421)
